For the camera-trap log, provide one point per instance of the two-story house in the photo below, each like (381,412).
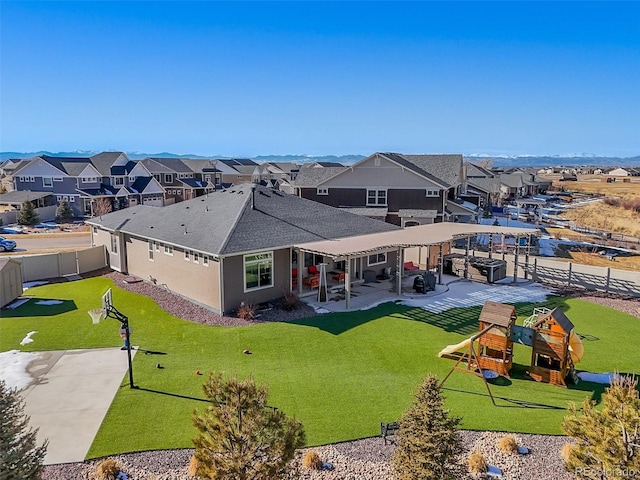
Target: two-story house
(404,189)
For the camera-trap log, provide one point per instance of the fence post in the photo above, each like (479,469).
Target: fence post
(606,288)
(535,268)
(569,276)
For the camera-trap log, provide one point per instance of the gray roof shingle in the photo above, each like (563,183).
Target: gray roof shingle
(311,177)
(224,222)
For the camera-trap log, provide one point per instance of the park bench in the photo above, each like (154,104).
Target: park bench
(387,430)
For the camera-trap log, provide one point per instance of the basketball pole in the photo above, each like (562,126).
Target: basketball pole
(112,312)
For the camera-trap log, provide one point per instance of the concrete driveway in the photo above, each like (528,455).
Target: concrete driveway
(69,397)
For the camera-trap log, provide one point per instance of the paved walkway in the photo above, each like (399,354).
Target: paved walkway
(70,396)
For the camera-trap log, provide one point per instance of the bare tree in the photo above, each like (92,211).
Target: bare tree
(101,206)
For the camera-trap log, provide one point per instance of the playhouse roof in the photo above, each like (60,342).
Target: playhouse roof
(498,314)
(559,316)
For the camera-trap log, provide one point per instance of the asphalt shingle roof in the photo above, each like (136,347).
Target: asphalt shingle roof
(72,166)
(224,222)
(446,169)
(103,161)
(313,176)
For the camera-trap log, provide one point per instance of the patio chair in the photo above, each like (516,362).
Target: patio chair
(338,277)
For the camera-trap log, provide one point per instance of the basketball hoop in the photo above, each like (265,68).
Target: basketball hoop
(96,315)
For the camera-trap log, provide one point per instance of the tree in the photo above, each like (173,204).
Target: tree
(428,438)
(64,212)
(240,436)
(20,457)
(607,441)
(27,214)
(101,206)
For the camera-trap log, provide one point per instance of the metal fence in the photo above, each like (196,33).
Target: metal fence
(575,275)
(54,265)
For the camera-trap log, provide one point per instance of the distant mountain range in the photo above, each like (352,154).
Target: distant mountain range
(497,160)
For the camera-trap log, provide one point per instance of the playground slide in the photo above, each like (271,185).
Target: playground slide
(576,349)
(454,348)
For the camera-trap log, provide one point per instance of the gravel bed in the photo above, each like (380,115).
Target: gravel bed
(186,309)
(366,459)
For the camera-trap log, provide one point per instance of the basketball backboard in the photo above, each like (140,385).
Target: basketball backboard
(107,302)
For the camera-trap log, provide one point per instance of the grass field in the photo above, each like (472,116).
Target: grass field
(340,374)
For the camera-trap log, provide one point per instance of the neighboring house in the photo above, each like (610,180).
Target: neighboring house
(618,172)
(414,189)
(483,183)
(178,178)
(232,246)
(248,170)
(518,183)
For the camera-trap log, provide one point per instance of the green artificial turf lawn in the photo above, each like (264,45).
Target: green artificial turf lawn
(340,374)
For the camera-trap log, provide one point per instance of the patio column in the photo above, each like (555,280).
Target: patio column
(399,268)
(440,266)
(490,246)
(347,283)
(466,258)
(526,258)
(300,267)
(515,260)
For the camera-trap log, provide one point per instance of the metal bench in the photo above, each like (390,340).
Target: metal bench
(387,430)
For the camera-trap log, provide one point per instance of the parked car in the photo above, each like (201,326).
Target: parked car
(6,245)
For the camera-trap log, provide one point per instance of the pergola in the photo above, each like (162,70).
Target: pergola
(436,234)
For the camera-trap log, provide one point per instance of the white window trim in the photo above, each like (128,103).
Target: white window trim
(187,256)
(377,190)
(72,199)
(168,178)
(151,246)
(322,191)
(114,244)
(244,271)
(384,254)
(196,258)
(57,179)
(118,181)
(168,250)
(205,260)
(432,193)
(44,182)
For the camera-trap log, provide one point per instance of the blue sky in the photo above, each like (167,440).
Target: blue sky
(243,78)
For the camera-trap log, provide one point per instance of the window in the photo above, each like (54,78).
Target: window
(168,250)
(376,161)
(377,259)
(258,271)
(72,199)
(168,178)
(195,257)
(205,260)
(322,191)
(132,179)
(157,247)
(187,256)
(118,181)
(376,197)
(88,179)
(114,243)
(47,182)
(151,250)
(312,259)
(59,198)
(32,179)
(95,230)
(57,179)
(432,193)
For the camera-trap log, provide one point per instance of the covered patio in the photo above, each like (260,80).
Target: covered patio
(353,290)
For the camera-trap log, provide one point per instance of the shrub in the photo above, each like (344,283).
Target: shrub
(428,440)
(107,469)
(606,440)
(312,460)
(247,311)
(290,301)
(508,444)
(567,448)
(477,463)
(240,437)
(193,467)
(20,456)
(27,214)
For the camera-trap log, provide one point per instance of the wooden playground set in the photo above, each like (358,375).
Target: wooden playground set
(555,346)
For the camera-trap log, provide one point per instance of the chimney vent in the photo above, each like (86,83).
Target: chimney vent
(253,197)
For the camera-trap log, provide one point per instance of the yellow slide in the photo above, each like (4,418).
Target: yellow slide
(454,348)
(576,349)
